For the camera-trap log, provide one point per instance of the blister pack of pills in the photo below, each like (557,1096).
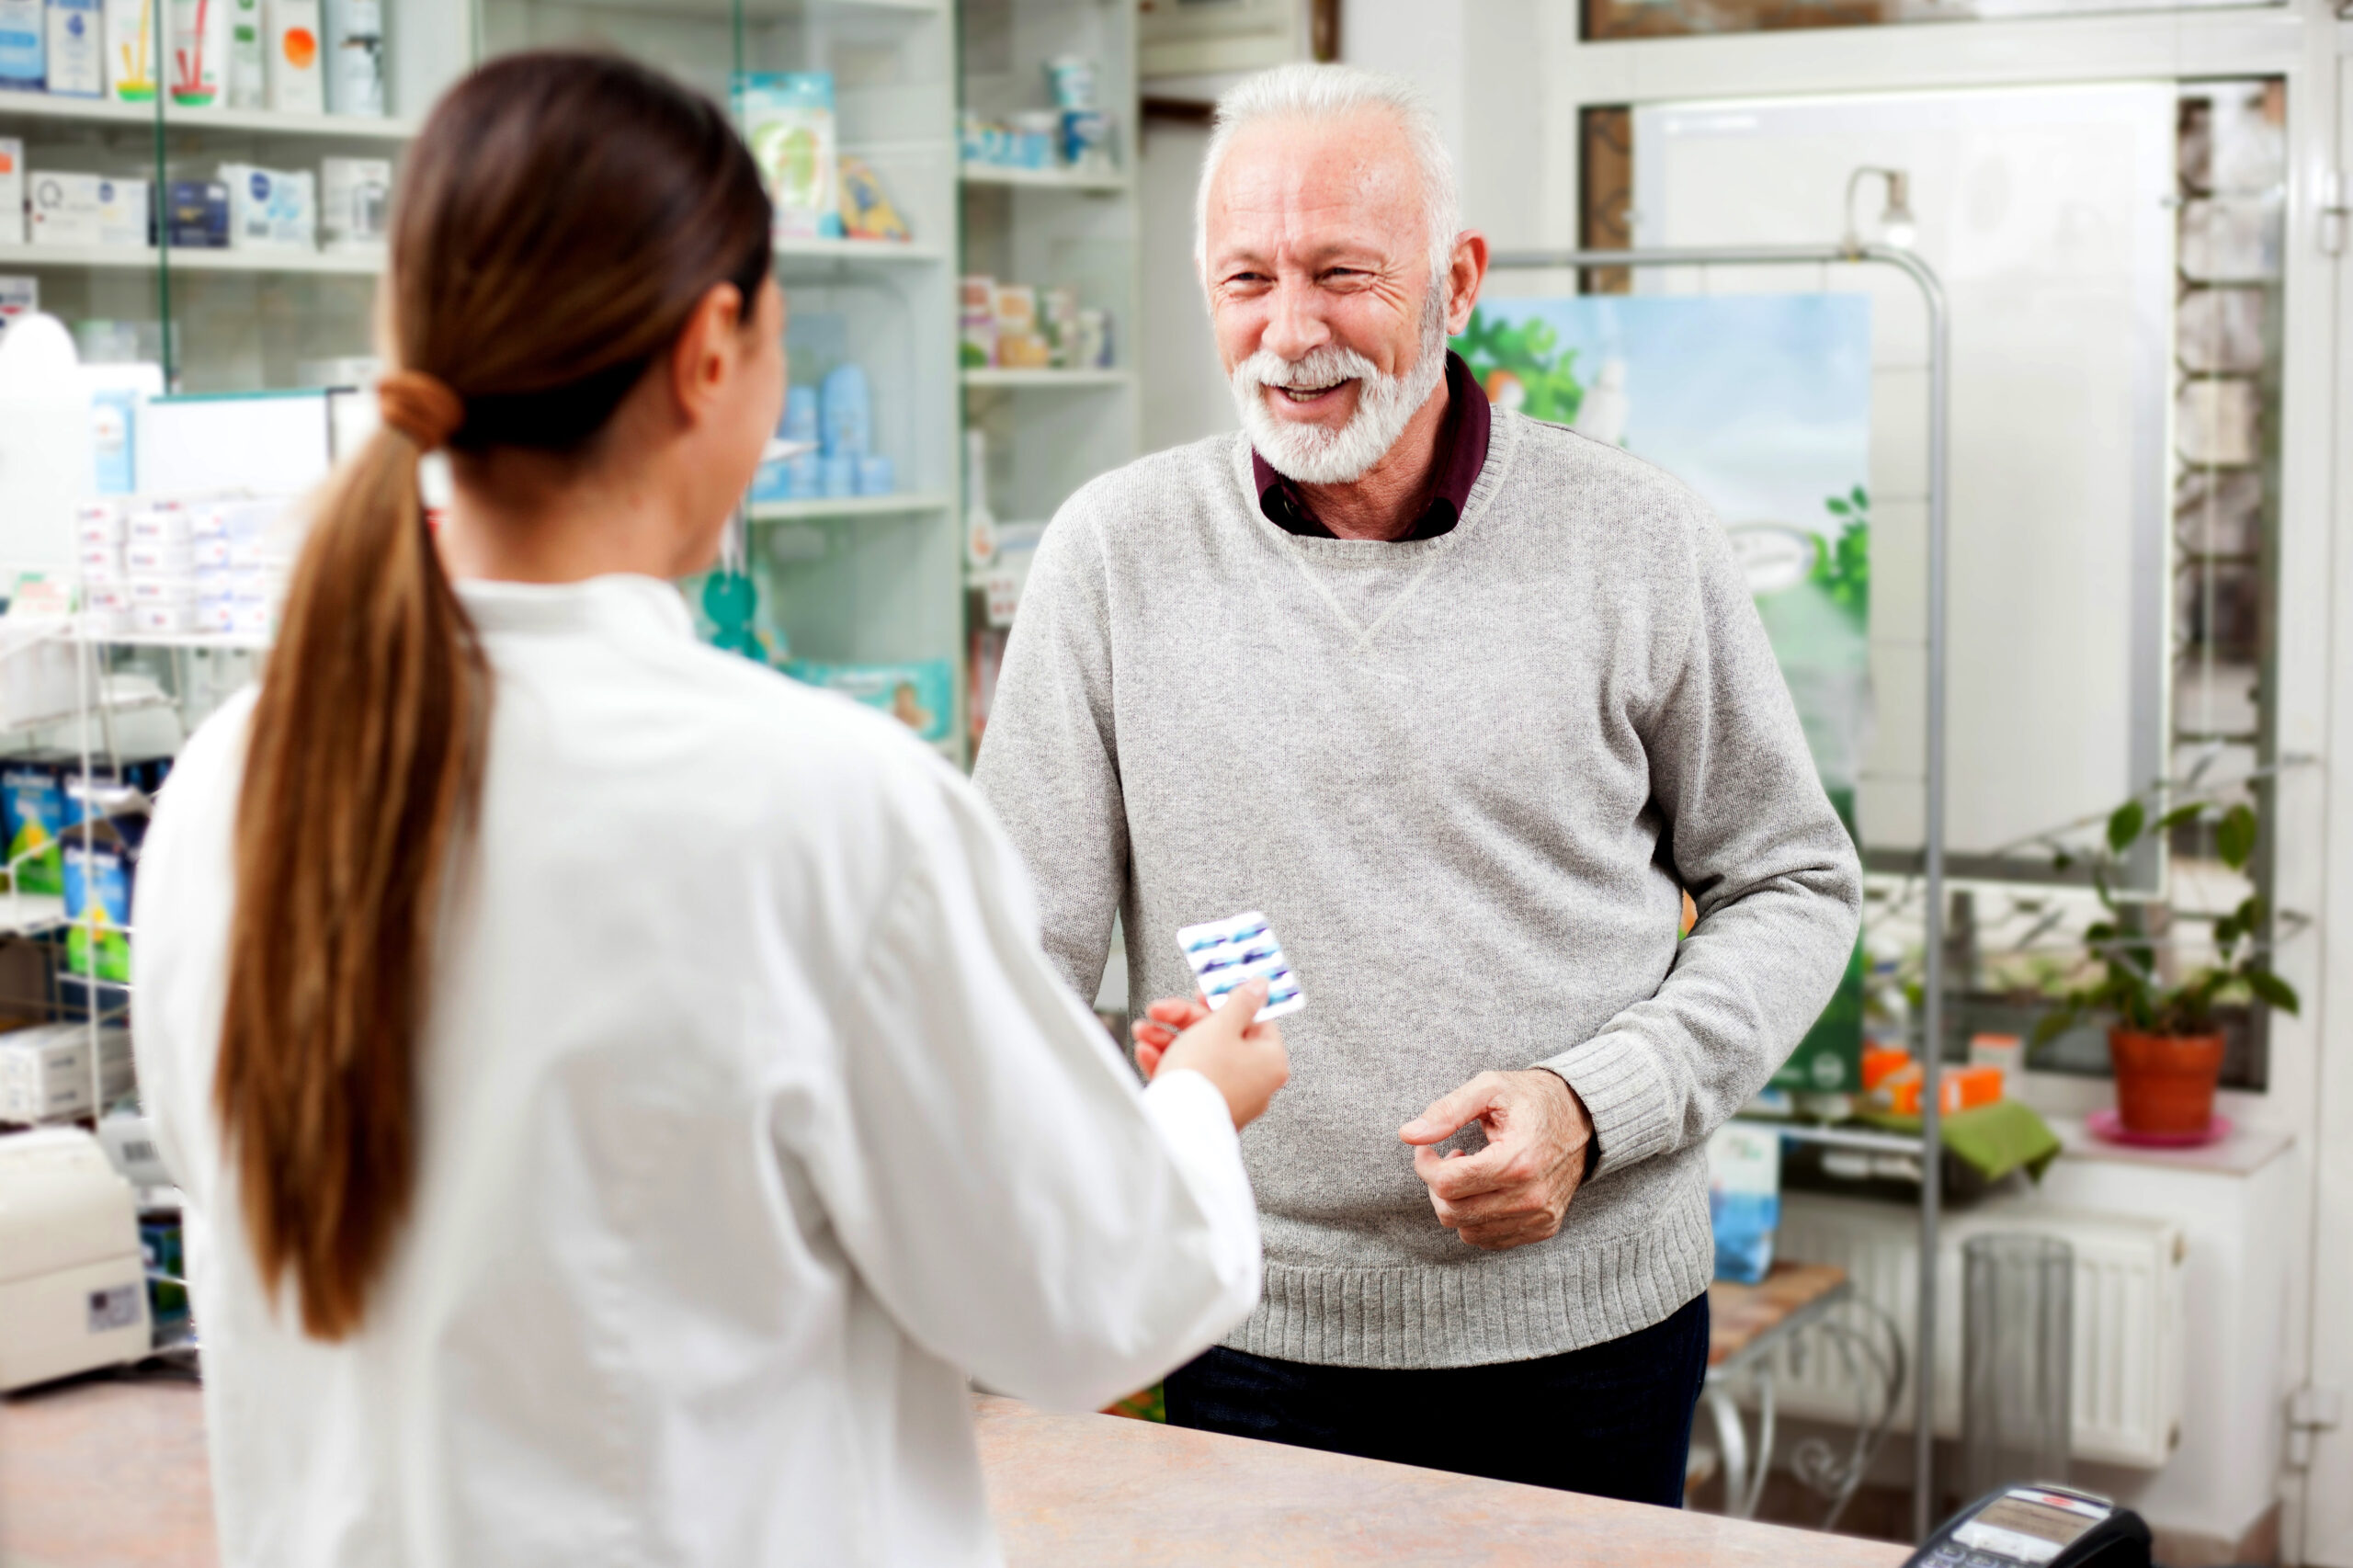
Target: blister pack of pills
(1224,953)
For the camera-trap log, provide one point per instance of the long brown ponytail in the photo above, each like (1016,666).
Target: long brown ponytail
(558,219)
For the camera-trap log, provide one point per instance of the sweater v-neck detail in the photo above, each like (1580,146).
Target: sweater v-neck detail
(1315,558)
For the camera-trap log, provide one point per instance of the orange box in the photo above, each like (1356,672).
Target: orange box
(1881,1063)
(1959,1089)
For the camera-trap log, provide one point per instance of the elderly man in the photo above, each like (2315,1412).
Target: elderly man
(1462,701)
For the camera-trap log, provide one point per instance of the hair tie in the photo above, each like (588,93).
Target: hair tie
(421,407)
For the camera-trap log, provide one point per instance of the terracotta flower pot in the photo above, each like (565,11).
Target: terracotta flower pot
(2164,1083)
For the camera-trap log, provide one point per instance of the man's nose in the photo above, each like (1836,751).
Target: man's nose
(1295,324)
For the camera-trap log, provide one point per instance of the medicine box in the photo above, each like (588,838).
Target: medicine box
(196,212)
(45,1072)
(22,67)
(353,196)
(12,194)
(33,812)
(89,211)
(271,209)
(159,558)
(165,522)
(77,56)
(788,121)
(98,522)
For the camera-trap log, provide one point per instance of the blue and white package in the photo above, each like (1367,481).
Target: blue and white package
(23,44)
(1224,953)
(1744,1199)
(845,417)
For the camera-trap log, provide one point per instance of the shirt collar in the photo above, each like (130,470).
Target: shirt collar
(1461,453)
(614,603)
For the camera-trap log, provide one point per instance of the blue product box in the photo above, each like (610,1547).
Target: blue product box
(32,807)
(114,440)
(805,478)
(838,477)
(800,414)
(196,211)
(24,49)
(874,476)
(101,863)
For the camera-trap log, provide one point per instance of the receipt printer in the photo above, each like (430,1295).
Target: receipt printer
(2038,1527)
(72,1282)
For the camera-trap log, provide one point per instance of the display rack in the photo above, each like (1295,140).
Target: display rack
(1927,1146)
(1048,431)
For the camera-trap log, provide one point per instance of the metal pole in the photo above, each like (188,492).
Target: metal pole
(1932,293)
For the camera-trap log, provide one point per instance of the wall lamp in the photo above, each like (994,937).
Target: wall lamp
(1897,226)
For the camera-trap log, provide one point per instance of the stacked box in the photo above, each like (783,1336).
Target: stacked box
(45,1072)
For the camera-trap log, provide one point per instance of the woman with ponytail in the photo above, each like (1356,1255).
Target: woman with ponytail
(618,1093)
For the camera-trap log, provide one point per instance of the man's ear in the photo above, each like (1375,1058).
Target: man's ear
(1464,276)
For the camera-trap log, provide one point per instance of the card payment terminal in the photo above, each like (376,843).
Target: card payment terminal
(2038,1527)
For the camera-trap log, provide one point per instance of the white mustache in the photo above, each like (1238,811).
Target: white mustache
(1313,371)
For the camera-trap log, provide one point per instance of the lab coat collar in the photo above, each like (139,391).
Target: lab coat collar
(616,604)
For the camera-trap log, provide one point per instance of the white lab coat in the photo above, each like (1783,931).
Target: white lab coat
(753,1120)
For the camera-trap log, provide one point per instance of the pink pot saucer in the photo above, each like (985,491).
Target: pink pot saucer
(2109,1128)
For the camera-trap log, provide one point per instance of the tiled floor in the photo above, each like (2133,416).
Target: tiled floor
(106,1471)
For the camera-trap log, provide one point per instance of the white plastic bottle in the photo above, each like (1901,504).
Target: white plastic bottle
(980,523)
(356,57)
(248,85)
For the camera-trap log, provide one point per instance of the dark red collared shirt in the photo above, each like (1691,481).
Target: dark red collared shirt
(1461,449)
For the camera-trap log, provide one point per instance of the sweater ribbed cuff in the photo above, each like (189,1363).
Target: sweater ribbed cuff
(1618,1078)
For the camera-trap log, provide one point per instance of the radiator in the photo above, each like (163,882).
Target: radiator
(2128,1338)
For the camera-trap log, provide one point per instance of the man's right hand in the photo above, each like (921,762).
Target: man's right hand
(1245,1061)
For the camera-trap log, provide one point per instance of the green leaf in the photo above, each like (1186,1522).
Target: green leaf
(2124,825)
(2100,931)
(1862,499)
(2180,815)
(1840,507)
(2053,1024)
(2273,989)
(2234,837)
(2062,862)
(2227,930)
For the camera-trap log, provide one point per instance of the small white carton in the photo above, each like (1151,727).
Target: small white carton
(12,191)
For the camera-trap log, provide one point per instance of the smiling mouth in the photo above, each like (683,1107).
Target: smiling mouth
(1308,395)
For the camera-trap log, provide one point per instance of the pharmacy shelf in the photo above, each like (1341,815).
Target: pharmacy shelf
(859,250)
(191,259)
(1057,381)
(849,506)
(194,641)
(1043,179)
(272,122)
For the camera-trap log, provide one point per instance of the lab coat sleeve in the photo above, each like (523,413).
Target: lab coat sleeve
(1004,1187)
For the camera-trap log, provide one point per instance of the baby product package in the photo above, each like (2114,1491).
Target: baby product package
(32,804)
(131,47)
(271,209)
(921,695)
(200,52)
(788,121)
(1224,953)
(1744,1199)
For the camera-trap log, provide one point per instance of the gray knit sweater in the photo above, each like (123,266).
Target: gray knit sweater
(1463,778)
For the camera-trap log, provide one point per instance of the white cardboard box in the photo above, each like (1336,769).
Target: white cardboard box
(271,209)
(12,197)
(88,210)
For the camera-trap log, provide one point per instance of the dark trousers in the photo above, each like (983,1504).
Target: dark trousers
(1612,1419)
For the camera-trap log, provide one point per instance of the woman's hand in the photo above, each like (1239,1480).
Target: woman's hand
(1245,1061)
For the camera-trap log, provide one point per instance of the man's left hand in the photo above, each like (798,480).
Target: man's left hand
(1515,1189)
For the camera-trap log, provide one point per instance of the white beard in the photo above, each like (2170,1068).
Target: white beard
(1311,454)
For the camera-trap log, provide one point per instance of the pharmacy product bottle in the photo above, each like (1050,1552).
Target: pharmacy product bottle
(980,523)
(248,82)
(131,50)
(199,60)
(356,57)
(292,30)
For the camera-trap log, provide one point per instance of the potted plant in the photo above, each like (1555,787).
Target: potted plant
(2165,1044)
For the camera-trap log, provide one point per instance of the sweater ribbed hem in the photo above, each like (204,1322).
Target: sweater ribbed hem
(1489,1308)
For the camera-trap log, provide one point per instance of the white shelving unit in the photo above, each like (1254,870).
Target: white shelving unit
(1050,431)
(146,258)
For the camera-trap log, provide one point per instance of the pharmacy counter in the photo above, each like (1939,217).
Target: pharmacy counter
(105,1471)
(1071,1490)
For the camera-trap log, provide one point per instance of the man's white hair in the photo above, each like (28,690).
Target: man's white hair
(1337,92)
